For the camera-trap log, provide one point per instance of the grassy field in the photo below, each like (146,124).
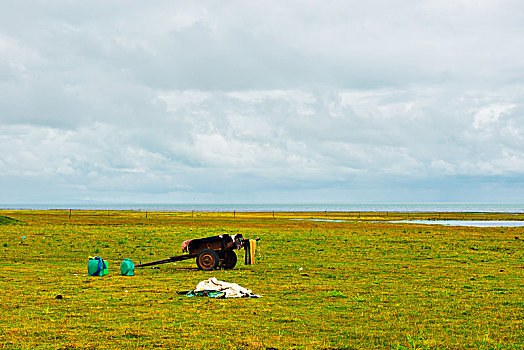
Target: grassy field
(356,284)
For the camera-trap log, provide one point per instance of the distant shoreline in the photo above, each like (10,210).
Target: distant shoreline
(508,208)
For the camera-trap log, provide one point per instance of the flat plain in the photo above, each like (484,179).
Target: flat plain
(359,282)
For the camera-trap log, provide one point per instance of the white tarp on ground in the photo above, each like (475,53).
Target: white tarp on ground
(232,290)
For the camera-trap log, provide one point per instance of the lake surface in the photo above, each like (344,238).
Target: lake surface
(319,207)
(468,223)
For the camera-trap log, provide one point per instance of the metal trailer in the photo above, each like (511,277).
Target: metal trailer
(210,252)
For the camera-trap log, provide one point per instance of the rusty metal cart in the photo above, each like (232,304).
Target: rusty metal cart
(210,252)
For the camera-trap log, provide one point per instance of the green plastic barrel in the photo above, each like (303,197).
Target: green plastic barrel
(127,267)
(97,267)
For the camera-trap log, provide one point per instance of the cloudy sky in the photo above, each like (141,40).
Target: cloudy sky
(261,102)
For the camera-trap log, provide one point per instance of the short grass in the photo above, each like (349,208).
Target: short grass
(357,284)
(5,220)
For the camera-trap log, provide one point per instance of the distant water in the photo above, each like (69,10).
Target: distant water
(392,207)
(467,223)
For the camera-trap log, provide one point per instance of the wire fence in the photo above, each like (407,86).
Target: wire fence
(123,217)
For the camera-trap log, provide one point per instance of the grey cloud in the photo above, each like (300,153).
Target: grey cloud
(416,130)
(167,99)
(301,141)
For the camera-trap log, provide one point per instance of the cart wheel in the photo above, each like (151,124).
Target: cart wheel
(230,260)
(207,260)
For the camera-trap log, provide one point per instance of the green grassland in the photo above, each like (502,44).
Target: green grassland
(357,284)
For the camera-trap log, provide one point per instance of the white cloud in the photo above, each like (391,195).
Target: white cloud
(489,116)
(173,98)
